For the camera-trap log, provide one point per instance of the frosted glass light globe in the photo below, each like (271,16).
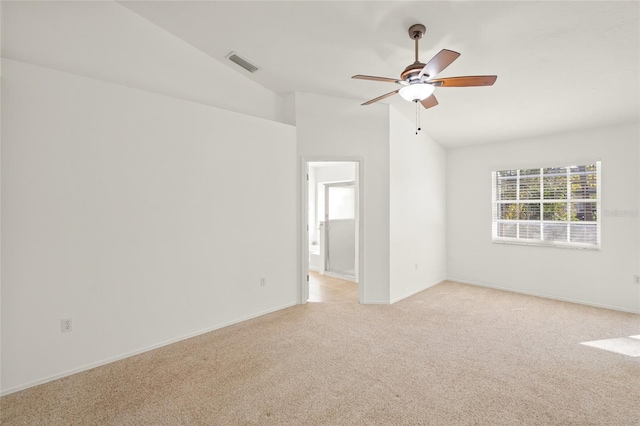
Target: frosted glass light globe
(416,91)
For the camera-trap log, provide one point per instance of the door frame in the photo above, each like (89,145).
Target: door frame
(304,222)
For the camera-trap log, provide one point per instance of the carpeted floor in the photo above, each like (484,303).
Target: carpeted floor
(451,355)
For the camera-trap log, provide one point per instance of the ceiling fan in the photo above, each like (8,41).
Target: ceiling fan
(417,80)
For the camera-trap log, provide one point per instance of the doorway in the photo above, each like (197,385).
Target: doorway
(332,237)
(326,289)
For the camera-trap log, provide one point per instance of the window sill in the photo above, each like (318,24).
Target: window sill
(575,246)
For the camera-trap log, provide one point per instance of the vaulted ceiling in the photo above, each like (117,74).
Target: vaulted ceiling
(561,66)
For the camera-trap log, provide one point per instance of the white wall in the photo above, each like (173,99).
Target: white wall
(602,278)
(336,173)
(106,41)
(143,218)
(336,128)
(404,189)
(418,209)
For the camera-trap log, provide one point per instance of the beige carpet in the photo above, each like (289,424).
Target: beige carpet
(451,355)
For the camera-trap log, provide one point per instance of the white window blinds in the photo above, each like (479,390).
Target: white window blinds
(558,206)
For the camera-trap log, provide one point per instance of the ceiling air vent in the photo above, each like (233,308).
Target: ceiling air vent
(233,57)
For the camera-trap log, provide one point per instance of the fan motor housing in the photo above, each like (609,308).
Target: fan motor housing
(412,71)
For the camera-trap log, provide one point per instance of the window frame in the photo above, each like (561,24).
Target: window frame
(541,242)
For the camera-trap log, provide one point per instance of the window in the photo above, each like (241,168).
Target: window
(556,206)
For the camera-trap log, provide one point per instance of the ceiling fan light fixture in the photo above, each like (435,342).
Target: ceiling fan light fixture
(416,92)
(418,78)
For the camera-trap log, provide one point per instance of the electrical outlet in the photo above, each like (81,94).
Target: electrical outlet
(263,282)
(636,279)
(65,325)
(416,266)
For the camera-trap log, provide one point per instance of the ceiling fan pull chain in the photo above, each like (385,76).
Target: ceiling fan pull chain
(417,117)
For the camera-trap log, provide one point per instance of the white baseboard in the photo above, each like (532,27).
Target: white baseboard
(404,296)
(138,351)
(340,276)
(546,296)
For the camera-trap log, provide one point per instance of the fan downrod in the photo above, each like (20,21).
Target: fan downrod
(416,31)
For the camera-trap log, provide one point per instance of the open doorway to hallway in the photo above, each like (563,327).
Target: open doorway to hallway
(333,231)
(326,289)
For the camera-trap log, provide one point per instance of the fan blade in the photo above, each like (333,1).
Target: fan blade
(475,80)
(429,102)
(373,78)
(379,98)
(443,59)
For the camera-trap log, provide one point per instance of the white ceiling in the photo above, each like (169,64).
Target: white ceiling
(561,66)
